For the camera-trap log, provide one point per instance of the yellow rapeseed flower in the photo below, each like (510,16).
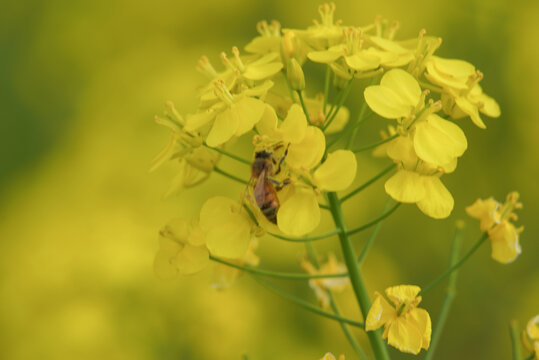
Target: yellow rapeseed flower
(226,227)
(427,146)
(182,249)
(322,285)
(269,40)
(330,356)
(299,212)
(495,218)
(461,95)
(233,115)
(195,161)
(530,336)
(224,276)
(406,327)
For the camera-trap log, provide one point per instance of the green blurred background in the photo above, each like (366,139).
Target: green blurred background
(79,213)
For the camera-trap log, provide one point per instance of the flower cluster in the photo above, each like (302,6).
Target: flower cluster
(302,157)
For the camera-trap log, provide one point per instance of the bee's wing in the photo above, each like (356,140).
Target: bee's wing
(260,191)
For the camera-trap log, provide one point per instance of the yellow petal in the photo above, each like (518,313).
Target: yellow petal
(450,73)
(325,57)
(196,236)
(224,127)
(362,61)
(405,186)
(268,122)
(471,110)
(402,150)
(404,85)
(485,211)
(488,106)
(404,337)
(401,294)
(337,172)
(439,141)
(228,231)
(421,320)
(294,127)
(379,313)
(249,111)
(438,201)
(196,121)
(308,153)
(532,328)
(263,44)
(164,266)
(504,241)
(192,259)
(300,214)
(386,103)
(263,71)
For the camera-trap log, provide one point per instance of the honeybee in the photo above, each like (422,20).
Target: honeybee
(264,190)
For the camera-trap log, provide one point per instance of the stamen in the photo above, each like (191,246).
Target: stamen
(227,62)
(206,68)
(239,63)
(222,92)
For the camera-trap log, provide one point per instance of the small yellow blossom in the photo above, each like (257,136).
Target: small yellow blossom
(356,57)
(427,146)
(323,34)
(226,227)
(233,116)
(530,336)
(299,212)
(495,218)
(406,327)
(330,356)
(224,276)
(322,285)
(461,96)
(182,250)
(195,161)
(269,39)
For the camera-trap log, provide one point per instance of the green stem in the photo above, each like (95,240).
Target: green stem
(326,88)
(351,339)
(304,304)
(371,238)
(308,238)
(342,99)
(360,119)
(375,337)
(515,340)
(276,274)
(448,272)
(230,176)
(376,144)
(532,355)
(369,182)
(374,222)
(302,102)
(226,153)
(449,295)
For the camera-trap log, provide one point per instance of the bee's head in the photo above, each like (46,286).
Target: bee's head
(262,155)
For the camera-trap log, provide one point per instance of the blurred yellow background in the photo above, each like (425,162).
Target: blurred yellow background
(79,213)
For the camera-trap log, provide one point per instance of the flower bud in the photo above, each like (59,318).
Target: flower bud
(295,76)
(288,46)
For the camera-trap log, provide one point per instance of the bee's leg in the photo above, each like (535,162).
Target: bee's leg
(280,184)
(282,159)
